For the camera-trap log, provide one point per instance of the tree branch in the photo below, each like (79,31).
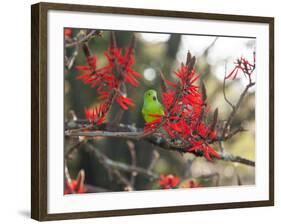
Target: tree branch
(237,159)
(223,89)
(132,150)
(126,135)
(77,41)
(119,165)
(247,70)
(235,108)
(157,139)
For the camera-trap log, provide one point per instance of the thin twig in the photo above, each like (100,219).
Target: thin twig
(221,146)
(163,83)
(120,111)
(223,89)
(83,39)
(237,159)
(154,159)
(105,161)
(236,107)
(132,150)
(70,61)
(210,46)
(231,134)
(73,147)
(119,165)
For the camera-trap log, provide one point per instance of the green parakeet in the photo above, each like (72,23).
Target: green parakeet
(151,105)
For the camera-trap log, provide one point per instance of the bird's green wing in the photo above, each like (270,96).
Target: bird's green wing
(145,114)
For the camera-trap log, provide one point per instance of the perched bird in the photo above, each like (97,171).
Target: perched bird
(151,105)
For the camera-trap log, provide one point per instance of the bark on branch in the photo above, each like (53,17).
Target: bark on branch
(157,139)
(119,165)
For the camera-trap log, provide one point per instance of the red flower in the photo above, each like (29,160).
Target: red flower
(168,98)
(152,125)
(207,150)
(186,111)
(67,32)
(75,186)
(168,181)
(96,115)
(203,130)
(109,78)
(244,66)
(213,135)
(124,102)
(95,77)
(121,63)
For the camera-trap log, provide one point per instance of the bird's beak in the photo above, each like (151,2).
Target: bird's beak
(154,98)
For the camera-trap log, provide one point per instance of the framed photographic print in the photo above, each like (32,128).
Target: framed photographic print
(138,111)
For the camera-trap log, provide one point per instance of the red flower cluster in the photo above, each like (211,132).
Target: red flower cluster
(75,186)
(153,125)
(109,79)
(123,64)
(67,32)
(96,115)
(169,181)
(124,102)
(243,65)
(185,113)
